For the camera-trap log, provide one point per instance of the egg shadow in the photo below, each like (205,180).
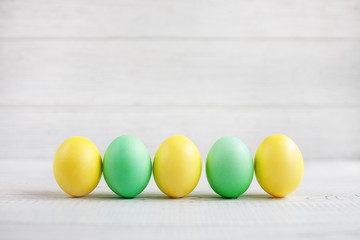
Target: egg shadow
(54,195)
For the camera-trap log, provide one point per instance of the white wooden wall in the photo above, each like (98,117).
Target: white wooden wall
(204,69)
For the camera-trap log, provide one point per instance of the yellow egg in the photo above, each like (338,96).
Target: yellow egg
(177,166)
(77,166)
(279,165)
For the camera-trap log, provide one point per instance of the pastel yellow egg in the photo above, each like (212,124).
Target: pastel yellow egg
(77,166)
(279,165)
(177,166)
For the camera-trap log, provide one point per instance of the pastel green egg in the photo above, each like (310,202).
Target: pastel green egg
(229,167)
(127,166)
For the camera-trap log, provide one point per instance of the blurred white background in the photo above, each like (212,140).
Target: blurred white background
(203,69)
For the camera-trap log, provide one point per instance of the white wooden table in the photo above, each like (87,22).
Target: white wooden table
(326,205)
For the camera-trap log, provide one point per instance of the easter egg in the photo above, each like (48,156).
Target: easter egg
(127,166)
(77,166)
(177,166)
(279,165)
(229,167)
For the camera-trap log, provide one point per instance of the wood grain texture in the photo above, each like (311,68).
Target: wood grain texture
(325,206)
(204,69)
(181,72)
(187,18)
(36,132)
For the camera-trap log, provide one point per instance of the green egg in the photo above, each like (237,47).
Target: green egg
(229,167)
(127,166)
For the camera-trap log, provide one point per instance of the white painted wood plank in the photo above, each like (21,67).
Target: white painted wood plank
(186,18)
(325,206)
(36,132)
(180,72)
